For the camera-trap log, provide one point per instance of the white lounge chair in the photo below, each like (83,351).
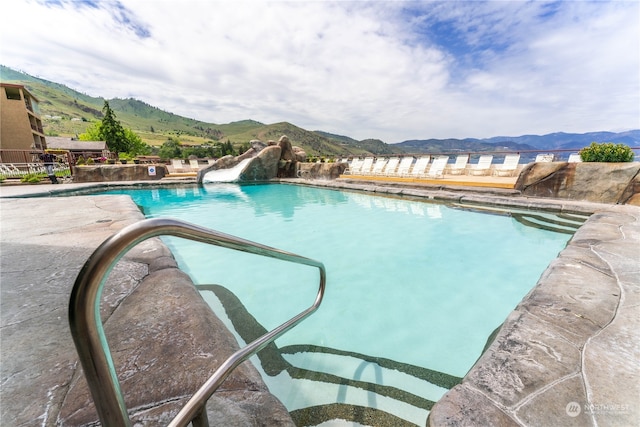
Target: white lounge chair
(404,167)
(437,167)
(420,167)
(381,162)
(392,164)
(483,166)
(354,167)
(544,158)
(460,166)
(177,165)
(366,166)
(194,164)
(575,158)
(509,166)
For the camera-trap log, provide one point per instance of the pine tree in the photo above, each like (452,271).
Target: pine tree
(112,131)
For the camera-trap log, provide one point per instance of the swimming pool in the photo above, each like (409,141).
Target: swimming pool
(414,290)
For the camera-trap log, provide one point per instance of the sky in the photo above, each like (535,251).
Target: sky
(391,70)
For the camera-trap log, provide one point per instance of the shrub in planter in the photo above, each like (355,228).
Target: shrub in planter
(30,178)
(90,161)
(606,152)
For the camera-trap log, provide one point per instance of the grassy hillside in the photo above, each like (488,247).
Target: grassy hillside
(66,112)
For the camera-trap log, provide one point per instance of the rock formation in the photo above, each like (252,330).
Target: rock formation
(268,161)
(593,182)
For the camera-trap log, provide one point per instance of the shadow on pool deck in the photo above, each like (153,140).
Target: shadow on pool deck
(569,354)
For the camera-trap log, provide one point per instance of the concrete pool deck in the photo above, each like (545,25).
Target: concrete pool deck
(569,354)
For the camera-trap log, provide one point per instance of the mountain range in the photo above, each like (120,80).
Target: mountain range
(67,112)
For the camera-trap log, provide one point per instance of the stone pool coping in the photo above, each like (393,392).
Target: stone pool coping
(568,354)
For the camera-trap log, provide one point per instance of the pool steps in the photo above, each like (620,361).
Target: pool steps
(551,221)
(341,384)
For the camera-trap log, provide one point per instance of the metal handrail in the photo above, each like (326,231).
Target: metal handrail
(88,333)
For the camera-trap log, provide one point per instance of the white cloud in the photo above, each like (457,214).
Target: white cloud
(363,69)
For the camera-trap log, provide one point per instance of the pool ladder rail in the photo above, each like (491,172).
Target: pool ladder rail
(88,333)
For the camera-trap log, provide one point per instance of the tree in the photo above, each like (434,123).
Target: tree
(112,132)
(170,149)
(92,133)
(136,145)
(118,139)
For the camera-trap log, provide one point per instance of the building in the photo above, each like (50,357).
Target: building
(20,123)
(77,148)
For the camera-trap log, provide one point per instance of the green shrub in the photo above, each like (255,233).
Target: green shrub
(606,152)
(30,178)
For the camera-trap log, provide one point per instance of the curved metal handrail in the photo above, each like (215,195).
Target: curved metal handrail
(88,333)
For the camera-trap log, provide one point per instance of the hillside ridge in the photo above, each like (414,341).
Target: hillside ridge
(67,112)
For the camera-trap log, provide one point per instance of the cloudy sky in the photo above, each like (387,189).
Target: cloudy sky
(392,70)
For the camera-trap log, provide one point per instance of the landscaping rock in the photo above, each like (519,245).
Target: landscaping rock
(593,182)
(110,173)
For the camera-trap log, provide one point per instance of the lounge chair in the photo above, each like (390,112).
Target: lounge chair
(460,166)
(404,167)
(437,167)
(392,164)
(575,158)
(544,158)
(366,166)
(381,162)
(420,167)
(483,166)
(177,166)
(509,166)
(354,167)
(194,164)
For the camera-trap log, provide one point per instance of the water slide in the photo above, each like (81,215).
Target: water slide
(226,175)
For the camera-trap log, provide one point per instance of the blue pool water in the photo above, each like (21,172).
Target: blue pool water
(414,289)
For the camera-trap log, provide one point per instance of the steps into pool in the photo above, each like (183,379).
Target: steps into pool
(551,221)
(319,384)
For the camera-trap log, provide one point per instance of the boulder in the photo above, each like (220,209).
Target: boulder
(264,166)
(286,165)
(287,148)
(225,162)
(257,145)
(299,154)
(593,182)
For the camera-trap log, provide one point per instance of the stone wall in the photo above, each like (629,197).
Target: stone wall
(594,182)
(320,170)
(108,173)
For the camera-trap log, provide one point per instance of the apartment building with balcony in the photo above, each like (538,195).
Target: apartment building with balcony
(20,123)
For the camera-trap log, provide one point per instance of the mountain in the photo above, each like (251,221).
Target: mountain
(552,141)
(66,112)
(453,145)
(561,140)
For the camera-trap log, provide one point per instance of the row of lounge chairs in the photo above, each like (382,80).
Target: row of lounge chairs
(190,166)
(424,167)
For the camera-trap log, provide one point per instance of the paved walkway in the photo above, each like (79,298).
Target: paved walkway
(568,355)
